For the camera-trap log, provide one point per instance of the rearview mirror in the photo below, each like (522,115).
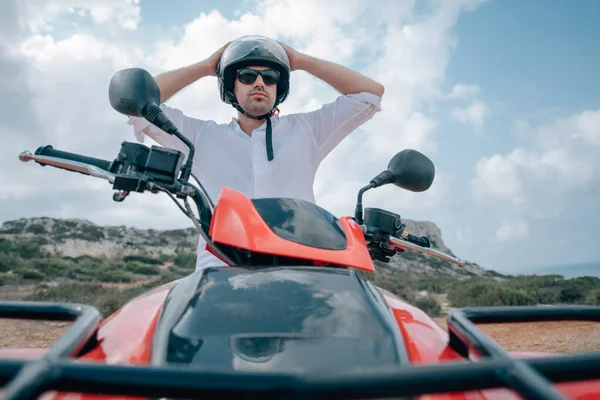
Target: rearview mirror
(410,170)
(131,90)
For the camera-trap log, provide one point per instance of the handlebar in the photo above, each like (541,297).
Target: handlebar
(49,151)
(100,169)
(71,162)
(404,244)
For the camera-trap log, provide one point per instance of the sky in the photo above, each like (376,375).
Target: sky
(503,96)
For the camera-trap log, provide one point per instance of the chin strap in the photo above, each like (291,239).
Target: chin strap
(269,139)
(267,116)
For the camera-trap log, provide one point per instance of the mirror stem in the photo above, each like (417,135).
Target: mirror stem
(157,117)
(187,167)
(383,178)
(358,212)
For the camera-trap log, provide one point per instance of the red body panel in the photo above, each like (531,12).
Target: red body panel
(236,222)
(427,342)
(125,338)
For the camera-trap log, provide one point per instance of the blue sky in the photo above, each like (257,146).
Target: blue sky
(531,55)
(535,61)
(515,146)
(529,58)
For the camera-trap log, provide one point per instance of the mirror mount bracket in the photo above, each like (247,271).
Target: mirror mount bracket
(156,116)
(153,114)
(358,212)
(383,178)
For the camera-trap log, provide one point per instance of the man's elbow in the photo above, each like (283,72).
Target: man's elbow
(379,90)
(375,88)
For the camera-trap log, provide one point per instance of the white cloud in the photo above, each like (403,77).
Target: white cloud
(411,64)
(497,177)
(40,15)
(71,79)
(551,183)
(475,114)
(68,108)
(563,160)
(463,91)
(329,30)
(512,229)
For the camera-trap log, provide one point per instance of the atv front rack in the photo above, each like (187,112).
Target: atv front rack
(531,378)
(520,375)
(31,378)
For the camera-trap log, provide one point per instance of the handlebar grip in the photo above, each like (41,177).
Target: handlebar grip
(422,241)
(49,151)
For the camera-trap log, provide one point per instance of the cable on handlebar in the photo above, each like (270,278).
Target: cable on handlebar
(197,223)
(205,192)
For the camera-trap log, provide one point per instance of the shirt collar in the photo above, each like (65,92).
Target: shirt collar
(235,124)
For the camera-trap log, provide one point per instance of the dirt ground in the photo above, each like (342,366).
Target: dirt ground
(560,337)
(556,336)
(29,334)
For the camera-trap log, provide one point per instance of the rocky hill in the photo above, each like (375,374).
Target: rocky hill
(76,238)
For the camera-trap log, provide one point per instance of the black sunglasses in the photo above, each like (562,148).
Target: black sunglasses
(247,76)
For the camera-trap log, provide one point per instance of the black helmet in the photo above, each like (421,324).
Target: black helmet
(247,51)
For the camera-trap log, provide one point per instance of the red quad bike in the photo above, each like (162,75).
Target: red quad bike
(290,317)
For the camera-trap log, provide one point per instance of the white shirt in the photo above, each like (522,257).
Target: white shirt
(225,156)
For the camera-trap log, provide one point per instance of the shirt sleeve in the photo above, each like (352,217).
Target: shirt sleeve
(189,127)
(334,121)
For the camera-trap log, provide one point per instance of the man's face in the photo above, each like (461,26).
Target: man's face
(258,97)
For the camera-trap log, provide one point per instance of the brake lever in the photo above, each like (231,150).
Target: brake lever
(403,244)
(69,165)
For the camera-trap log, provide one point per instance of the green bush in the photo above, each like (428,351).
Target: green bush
(548,296)
(185,260)
(29,248)
(5,246)
(397,284)
(9,262)
(51,267)
(142,259)
(165,257)
(571,295)
(487,294)
(429,306)
(593,298)
(141,269)
(32,275)
(106,300)
(114,276)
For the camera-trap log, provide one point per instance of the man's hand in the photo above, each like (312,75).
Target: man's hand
(212,61)
(172,82)
(343,79)
(293,55)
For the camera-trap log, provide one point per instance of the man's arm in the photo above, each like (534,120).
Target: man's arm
(343,79)
(173,81)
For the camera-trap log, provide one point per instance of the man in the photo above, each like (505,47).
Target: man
(260,153)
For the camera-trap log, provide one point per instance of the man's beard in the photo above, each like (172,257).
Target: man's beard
(257,108)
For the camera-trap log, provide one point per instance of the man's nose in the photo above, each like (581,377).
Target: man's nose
(259,81)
